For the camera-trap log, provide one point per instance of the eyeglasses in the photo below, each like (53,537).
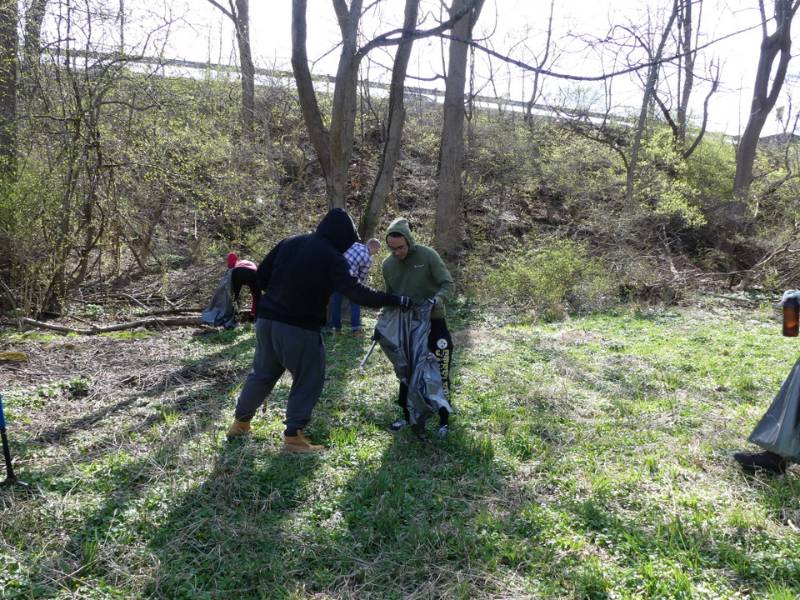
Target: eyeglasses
(399,248)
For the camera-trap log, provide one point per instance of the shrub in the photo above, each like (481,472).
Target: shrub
(549,280)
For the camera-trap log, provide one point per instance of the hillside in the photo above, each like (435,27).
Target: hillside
(179,187)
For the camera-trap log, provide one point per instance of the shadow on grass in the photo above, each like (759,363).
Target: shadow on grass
(365,519)
(208,368)
(234,534)
(273,525)
(114,491)
(121,471)
(378,516)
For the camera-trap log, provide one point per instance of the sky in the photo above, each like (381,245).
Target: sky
(201,32)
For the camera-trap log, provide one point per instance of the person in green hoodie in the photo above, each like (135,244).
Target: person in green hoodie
(419,272)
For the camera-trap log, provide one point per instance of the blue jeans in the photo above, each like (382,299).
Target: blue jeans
(336,313)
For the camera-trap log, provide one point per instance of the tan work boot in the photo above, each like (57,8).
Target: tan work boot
(300,443)
(238,429)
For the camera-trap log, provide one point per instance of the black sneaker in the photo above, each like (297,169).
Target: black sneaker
(398,425)
(766,461)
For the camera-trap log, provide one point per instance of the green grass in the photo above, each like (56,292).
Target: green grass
(588,459)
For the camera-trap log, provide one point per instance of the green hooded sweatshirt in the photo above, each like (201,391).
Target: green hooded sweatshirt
(421,275)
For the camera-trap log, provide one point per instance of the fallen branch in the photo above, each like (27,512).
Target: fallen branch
(168,322)
(243,314)
(170,311)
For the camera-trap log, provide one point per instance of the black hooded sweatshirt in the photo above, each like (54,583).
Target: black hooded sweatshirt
(299,275)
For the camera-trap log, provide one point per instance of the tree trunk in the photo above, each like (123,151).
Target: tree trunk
(8,89)
(34,18)
(685,46)
(778,45)
(335,148)
(536,92)
(652,77)
(345,95)
(397,116)
(449,229)
(305,89)
(242,24)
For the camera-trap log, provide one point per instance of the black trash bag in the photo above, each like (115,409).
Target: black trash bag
(403,337)
(221,310)
(779,428)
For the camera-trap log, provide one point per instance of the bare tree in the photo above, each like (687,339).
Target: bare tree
(81,113)
(305,92)
(689,56)
(334,147)
(687,76)
(789,120)
(239,14)
(649,90)
(776,45)
(536,91)
(8,88)
(394,127)
(449,229)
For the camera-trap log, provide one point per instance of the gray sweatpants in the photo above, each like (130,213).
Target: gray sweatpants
(281,347)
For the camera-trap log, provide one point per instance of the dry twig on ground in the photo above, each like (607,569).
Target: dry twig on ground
(167,322)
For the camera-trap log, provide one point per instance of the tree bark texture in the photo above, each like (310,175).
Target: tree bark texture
(305,89)
(394,127)
(32,45)
(685,26)
(239,14)
(774,46)
(449,228)
(8,88)
(345,96)
(242,23)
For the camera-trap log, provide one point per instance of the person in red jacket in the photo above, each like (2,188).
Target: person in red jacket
(244,273)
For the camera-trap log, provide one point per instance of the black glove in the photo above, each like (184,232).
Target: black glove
(404,301)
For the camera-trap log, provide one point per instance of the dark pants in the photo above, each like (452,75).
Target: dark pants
(336,313)
(243,276)
(281,347)
(441,344)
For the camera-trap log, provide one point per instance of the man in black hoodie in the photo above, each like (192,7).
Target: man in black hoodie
(296,278)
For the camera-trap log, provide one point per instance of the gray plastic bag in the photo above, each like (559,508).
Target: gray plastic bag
(779,428)
(221,310)
(403,337)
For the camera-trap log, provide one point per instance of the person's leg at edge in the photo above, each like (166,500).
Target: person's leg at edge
(302,351)
(266,372)
(765,461)
(336,311)
(402,401)
(355,317)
